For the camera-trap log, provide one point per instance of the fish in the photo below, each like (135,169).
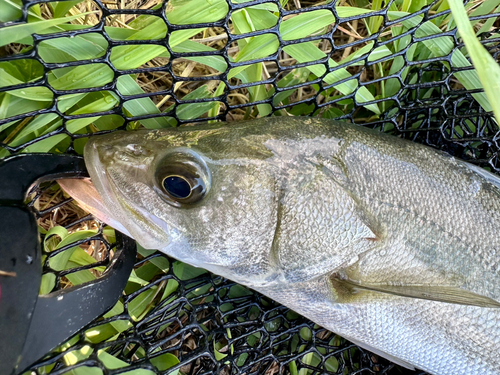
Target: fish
(390,244)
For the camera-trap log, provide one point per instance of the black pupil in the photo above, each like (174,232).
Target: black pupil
(177,187)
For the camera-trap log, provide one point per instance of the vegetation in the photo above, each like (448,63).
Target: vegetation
(374,59)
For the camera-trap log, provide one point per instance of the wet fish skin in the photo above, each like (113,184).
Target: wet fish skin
(388,243)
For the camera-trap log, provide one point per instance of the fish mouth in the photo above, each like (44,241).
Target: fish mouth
(84,192)
(94,194)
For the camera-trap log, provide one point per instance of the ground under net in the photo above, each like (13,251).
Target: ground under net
(71,69)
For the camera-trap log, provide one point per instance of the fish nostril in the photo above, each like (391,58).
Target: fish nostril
(134,149)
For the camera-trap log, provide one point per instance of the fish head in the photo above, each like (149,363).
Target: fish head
(201,196)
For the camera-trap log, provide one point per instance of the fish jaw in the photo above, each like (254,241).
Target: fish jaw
(85,193)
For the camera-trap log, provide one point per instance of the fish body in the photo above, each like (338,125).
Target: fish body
(390,244)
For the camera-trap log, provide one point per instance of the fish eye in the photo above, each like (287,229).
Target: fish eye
(182,177)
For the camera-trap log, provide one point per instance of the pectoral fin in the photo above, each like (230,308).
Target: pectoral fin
(448,294)
(321,226)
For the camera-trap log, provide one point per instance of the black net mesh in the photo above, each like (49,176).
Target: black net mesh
(71,69)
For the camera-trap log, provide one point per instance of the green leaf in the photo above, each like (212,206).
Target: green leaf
(180,36)
(260,46)
(48,144)
(143,274)
(193,110)
(164,362)
(8,79)
(80,47)
(251,19)
(373,54)
(13,103)
(218,355)
(14,72)
(214,111)
(10,10)
(346,11)
(81,258)
(80,77)
(59,261)
(186,272)
(12,34)
(144,27)
(37,94)
(214,61)
(138,107)
(40,125)
(294,77)
(61,8)
(90,103)
(141,304)
(47,284)
(131,57)
(76,356)
(486,67)
(112,363)
(119,325)
(306,24)
(79,277)
(187,12)
(172,286)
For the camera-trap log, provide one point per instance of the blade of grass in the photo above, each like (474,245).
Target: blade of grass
(11,104)
(138,107)
(486,67)
(131,57)
(80,47)
(182,12)
(260,46)
(36,127)
(47,144)
(260,18)
(244,22)
(213,61)
(10,10)
(190,111)
(61,8)
(12,34)
(19,71)
(306,24)
(214,111)
(36,94)
(81,76)
(375,22)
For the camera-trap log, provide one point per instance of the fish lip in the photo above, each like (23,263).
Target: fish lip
(93,162)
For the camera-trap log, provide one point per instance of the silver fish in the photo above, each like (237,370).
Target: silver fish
(390,244)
